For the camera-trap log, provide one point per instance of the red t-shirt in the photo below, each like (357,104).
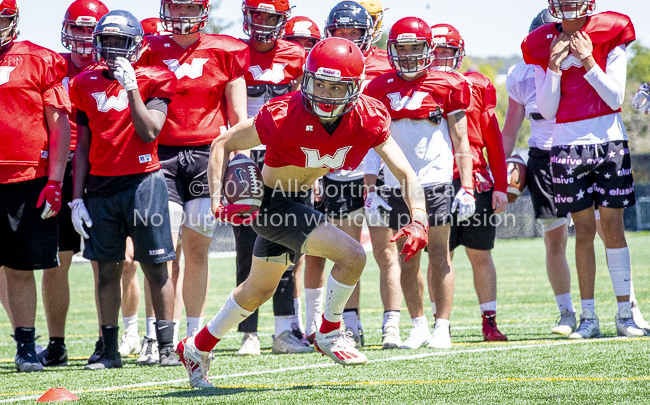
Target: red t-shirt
(30,79)
(198,112)
(73,71)
(295,137)
(115,147)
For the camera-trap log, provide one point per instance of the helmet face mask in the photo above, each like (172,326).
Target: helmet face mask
(118,34)
(258,14)
(571,9)
(184,24)
(302,30)
(79,23)
(411,55)
(351,15)
(9,33)
(447,37)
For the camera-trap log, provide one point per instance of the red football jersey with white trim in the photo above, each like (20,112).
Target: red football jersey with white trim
(72,72)
(295,137)
(115,147)
(30,79)
(198,111)
(377,63)
(579,100)
(281,65)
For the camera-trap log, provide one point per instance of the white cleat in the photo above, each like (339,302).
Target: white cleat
(440,338)
(287,343)
(589,326)
(149,355)
(196,362)
(340,347)
(639,320)
(417,338)
(390,338)
(567,323)
(625,325)
(130,344)
(250,345)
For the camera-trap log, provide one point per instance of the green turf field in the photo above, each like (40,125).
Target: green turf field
(534,367)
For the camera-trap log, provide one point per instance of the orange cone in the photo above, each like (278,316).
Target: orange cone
(58,394)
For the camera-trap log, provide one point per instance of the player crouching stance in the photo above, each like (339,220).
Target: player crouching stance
(326,126)
(120,114)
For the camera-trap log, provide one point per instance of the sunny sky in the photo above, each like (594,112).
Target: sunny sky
(490,27)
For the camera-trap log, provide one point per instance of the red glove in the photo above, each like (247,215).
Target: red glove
(230,213)
(51,195)
(417,237)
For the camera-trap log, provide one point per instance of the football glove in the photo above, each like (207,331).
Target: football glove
(642,99)
(230,213)
(125,74)
(51,196)
(482,184)
(417,236)
(465,203)
(80,216)
(376,210)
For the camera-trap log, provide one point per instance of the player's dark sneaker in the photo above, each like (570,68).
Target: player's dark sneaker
(26,358)
(106,361)
(54,355)
(168,357)
(490,331)
(99,347)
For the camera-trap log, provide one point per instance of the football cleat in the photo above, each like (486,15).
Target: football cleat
(250,345)
(625,325)
(639,320)
(168,357)
(356,336)
(149,355)
(340,347)
(130,344)
(54,355)
(105,361)
(490,331)
(567,323)
(26,358)
(390,337)
(287,343)
(99,348)
(440,339)
(589,326)
(299,334)
(196,362)
(417,338)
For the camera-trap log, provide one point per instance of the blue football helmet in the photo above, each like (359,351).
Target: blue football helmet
(350,14)
(123,25)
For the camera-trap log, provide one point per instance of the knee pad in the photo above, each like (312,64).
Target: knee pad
(198,216)
(175,216)
(549,224)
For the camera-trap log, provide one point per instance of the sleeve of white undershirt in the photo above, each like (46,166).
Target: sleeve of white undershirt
(610,86)
(547,91)
(372,163)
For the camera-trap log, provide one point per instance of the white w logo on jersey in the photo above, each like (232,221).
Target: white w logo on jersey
(569,62)
(4,73)
(333,162)
(119,103)
(274,76)
(193,71)
(398,103)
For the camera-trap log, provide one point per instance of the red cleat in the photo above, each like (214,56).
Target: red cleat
(490,331)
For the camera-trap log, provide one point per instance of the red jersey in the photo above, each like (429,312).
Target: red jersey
(30,79)
(73,71)
(377,63)
(198,111)
(483,131)
(579,100)
(115,147)
(295,137)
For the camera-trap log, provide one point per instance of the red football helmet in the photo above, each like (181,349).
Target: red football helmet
(259,31)
(81,13)
(405,32)
(153,26)
(446,36)
(9,8)
(184,25)
(302,28)
(334,60)
(571,9)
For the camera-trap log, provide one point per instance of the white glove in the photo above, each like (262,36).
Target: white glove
(465,203)
(642,99)
(375,207)
(125,74)
(80,216)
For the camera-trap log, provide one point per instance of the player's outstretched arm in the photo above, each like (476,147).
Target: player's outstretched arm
(514,119)
(241,136)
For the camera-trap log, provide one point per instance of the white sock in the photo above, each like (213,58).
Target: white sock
(297,317)
(420,323)
(282,323)
(130,324)
(194,322)
(177,325)
(391,318)
(151,328)
(336,296)
(620,270)
(313,308)
(621,305)
(564,302)
(442,323)
(351,319)
(434,309)
(588,304)
(228,317)
(488,306)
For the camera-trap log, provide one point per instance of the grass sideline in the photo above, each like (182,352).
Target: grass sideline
(534,367)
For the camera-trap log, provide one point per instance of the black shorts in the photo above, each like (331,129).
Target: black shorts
(141,212)
(283,226)
(438,200)
(540,184)
(586,175)
(478,232)
(69,239)
(186,171)
(341,198)
(27,242)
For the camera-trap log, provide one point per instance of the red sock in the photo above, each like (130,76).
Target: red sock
(327,326)
(205,341)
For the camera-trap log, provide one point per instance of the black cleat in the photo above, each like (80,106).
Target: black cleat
(54,355)
(26,359)
(99,348)
(105,361)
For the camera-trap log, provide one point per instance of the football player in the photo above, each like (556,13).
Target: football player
(211,95)
(580,73)
(34,147)
(153,26)
(120,112)
(478,233)
(76,36)
(376,10)
(303,31)
(343,201)
(275,70)
(327,125)
(428,108)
